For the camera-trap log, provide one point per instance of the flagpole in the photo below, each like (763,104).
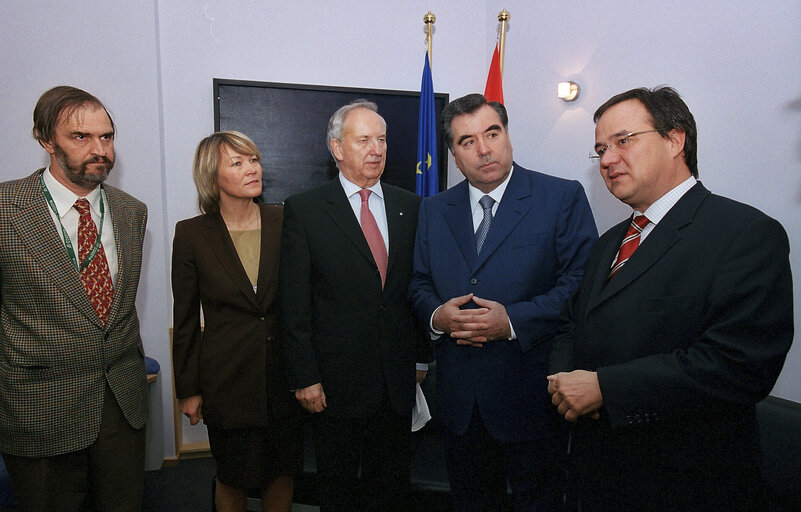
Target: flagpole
(503,17)
(429,19)
(427,174)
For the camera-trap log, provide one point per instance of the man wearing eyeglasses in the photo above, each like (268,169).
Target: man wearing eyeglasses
(680,326)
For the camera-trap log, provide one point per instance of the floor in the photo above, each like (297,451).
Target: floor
(187,487)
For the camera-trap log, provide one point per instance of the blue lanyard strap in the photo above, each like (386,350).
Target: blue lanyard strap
(66,237)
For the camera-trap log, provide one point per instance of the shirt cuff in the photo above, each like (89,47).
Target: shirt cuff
(434,332)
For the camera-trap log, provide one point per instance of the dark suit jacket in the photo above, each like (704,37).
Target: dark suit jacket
(55,355)
(235,364)
(342,329)
(532,259)
(686,338)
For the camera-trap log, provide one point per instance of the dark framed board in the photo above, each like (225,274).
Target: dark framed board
(288,123)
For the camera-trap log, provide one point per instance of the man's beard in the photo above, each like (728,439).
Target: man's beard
(77,173)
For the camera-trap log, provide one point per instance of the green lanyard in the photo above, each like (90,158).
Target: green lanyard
(67,241)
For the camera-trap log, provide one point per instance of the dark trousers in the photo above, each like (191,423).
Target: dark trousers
(109,475)
(662,467)
(381,444)
(480,466)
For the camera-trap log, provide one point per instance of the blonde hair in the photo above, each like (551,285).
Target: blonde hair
(207,161)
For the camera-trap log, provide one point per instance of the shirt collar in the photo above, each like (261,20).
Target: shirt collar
(662,206)
(497,194)
(65,198)
(351,188)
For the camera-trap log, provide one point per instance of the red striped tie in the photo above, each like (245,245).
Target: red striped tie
(630,243)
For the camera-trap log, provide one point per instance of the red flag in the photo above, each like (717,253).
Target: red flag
(494,89)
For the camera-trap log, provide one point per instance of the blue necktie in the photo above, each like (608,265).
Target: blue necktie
(486,203)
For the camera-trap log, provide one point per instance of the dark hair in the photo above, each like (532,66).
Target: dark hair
(60,103)
(668,112)
(467,105)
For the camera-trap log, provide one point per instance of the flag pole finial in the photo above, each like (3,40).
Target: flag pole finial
(429,19)
(503,18)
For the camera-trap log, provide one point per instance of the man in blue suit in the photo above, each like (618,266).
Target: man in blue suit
(495,258)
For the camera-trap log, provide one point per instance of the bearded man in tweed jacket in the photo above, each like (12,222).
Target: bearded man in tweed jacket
(73,391)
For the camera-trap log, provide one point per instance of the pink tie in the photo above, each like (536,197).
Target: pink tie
(630,243)
(95,276)
(373,236)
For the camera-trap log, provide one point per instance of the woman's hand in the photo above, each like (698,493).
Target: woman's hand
(192,407)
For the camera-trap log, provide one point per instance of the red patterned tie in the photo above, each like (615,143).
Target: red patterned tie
(373,236)
(95,276)
(630,243)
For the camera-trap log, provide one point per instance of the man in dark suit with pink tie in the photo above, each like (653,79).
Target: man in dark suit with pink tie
(351,339)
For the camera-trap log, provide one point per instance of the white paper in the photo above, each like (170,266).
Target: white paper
(420,413)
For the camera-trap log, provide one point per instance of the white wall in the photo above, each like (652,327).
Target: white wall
(737,67)
(152,63)
(109,49)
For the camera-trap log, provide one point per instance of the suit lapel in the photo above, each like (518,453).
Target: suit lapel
(394,224)
(223,248)
(666,234)
(268,255)
(34,225)
(605,263)
(123,239)
(515,204)
(459,218)
(341,213)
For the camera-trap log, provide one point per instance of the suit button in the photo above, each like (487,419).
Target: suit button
(473,280)
(261,318)
(270,338)
(382,308)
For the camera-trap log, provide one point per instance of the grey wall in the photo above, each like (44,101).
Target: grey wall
(152,63)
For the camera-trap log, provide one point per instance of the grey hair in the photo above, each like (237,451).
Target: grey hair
(337,121)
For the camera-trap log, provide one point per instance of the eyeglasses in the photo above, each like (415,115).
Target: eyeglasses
(620,142)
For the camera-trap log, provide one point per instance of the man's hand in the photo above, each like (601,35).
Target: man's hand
(473,327)
(312,398)
(575,394)
(192,408)
(489,322)
(448,317)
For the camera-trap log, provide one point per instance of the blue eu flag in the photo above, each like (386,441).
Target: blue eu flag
(426,177)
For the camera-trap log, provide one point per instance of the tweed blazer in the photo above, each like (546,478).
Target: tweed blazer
(55,355)
(235,361)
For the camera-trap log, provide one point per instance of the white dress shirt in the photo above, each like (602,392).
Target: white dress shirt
(476,195)
(375,201)
(657,211)
(64,200)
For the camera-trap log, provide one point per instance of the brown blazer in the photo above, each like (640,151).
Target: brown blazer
(55,355)
(234,363)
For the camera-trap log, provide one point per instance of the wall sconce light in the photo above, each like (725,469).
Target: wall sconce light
(567,91)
